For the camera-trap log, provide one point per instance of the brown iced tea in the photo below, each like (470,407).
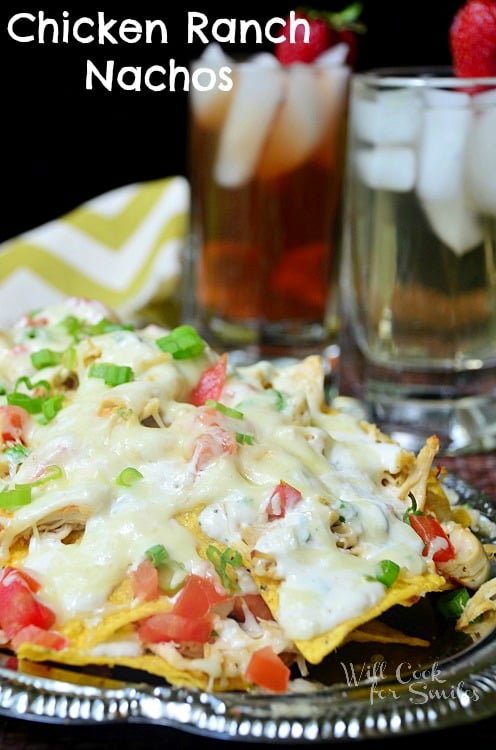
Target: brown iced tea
(266,229)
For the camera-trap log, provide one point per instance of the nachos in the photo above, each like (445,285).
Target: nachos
(214,526)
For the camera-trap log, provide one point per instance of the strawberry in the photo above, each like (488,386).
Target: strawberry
(472,37)
(326,30)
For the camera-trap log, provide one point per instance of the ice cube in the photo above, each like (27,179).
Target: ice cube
(453,222)
(484,99)
(335,55)
(333,82)
(255,100)
(444,99)
(393,117)
(210,107)
(298,126)
(481,162)
(387,168)
(441,152)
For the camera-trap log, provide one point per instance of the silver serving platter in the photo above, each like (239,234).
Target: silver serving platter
(458,687)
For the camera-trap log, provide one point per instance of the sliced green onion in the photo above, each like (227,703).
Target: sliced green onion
(387,572)
(171,576)
(69,358)
(171,573)
(244,439)
(31,405)
(412,510)
(105,326)
(31,386)
(128,477)
(51,472)
(280,399)
(452,603)
(78,328)
(17,452)
(50,407)
(157,555)
(46,358)
(227,410)
(111,374)
(220,561)
(182,342)
(72,325)
(19,495)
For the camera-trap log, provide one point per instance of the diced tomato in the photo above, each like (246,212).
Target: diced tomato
(18,608)
(268,670)
(207,416)
(255,604)
(8,574)
(13,423)
(437,544)
(40,637)
(213,444)
(211,382)
(30,322)
(144,581)
(284,498)
(197,596)
(169,626)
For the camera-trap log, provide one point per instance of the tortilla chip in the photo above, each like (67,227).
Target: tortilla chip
(378,632)
(85,635)
(403,591)
(150,663)
(147,663)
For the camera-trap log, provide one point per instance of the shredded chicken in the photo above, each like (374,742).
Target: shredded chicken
(479,616)
(417,479)
(471,566)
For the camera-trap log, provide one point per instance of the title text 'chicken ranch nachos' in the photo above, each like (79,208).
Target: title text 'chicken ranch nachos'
(216,527)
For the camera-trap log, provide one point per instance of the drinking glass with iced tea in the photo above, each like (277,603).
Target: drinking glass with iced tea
(266,170)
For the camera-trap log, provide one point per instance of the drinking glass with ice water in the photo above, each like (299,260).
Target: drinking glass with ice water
(266,167)
(419,273)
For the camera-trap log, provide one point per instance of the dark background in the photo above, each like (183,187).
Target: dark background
(62,145)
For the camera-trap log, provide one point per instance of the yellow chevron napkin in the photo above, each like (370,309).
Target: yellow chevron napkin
(123,248)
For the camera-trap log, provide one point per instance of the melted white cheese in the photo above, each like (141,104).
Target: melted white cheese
(336,466)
